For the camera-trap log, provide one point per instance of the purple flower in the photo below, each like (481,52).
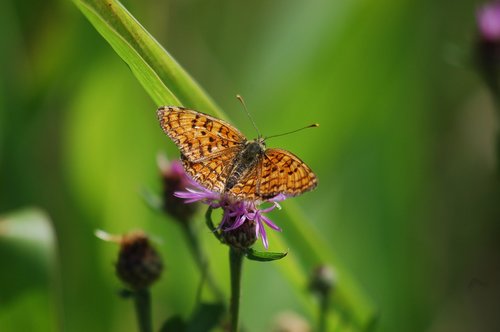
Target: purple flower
(487,53)
(488,20)
(236,212)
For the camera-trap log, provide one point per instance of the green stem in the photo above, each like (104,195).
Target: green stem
(495,94)
(324,300)
(201,260)
(497,145)
(142,301)
(496,101)
(210,223)
(235,265)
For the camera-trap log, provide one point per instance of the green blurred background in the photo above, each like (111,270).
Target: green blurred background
(405,155)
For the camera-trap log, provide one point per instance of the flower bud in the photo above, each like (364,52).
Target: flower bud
(488,44)
(175,179)
(323,280)
(139,265)
(488,21)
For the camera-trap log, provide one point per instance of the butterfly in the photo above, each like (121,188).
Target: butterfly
(219,157)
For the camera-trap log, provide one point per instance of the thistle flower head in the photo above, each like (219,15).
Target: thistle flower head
(487,48)
(242,237)
(240,218)
(488,21)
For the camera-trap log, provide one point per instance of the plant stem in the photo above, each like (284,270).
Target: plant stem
(210,223)
(496,102)
(235,266)
(324,300)
(201,260)
(142,301)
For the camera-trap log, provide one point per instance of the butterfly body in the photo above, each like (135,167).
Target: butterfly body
(245,161)
(220,158)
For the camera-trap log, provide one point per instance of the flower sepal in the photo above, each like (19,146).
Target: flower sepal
(263,256)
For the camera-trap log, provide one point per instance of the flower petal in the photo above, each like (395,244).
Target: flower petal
(263,235)
(238,222)
(270,223)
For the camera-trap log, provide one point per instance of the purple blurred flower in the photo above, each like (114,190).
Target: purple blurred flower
(488,45)
(236,212)
(488,21)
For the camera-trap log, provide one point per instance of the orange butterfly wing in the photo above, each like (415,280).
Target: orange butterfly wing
(199,136)
(284,173)
(208,145)
(211,173)
(278,172)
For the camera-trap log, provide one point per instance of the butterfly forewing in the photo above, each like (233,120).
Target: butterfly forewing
(199,136)
(284,173)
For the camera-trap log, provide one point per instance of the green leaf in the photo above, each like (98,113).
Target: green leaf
(206,317)
(264,256)
(174,323)
(30,276)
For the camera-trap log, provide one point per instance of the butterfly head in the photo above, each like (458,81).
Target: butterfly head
(256,146)
(261,141)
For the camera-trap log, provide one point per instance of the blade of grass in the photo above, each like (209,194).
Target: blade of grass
(313,251)
(168,83)
(162,77)
(294,270)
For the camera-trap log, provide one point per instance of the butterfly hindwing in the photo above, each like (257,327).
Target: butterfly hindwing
(246,188)
(211,173)
(284,173)
(278,172)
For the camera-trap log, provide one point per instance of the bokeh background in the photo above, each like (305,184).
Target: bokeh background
(409,188)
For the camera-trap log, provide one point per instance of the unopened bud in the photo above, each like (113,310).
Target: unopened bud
(323,280)
(175,179)
(139,265)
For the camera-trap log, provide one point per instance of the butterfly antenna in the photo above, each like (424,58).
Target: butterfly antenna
(314,125)
(240,98)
